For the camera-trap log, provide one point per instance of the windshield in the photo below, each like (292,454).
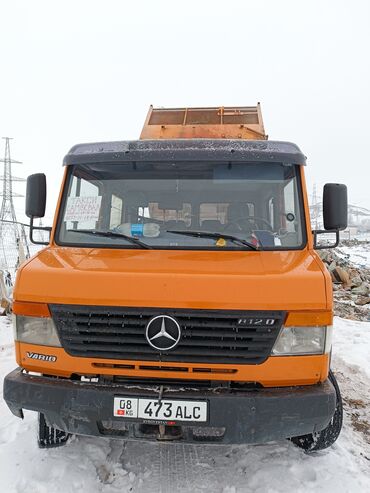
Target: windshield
(163,204)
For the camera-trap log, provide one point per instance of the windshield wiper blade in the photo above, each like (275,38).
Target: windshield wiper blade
(208,234)
(112,234)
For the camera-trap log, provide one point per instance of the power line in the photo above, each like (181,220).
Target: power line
(12,234)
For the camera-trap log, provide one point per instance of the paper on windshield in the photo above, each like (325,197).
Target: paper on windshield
(83,208)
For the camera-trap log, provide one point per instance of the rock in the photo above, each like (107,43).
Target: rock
(351,284)
(325,255)
(5,306)
(352,312)
(362,290)
(356,280)
(362,301)
(340,275)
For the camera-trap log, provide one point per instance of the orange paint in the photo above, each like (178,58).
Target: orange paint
(276,371)
(31,309)
(234,280)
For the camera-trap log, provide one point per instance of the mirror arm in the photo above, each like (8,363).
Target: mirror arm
(317,232)
(39,228)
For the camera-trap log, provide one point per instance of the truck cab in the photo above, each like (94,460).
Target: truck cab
(180,296)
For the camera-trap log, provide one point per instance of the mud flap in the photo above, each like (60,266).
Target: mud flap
(49,437)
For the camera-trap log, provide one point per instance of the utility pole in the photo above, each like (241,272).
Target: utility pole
(12,234)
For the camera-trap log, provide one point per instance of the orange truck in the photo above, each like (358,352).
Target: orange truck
(180,295)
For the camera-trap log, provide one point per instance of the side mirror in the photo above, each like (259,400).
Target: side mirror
(335,212)
(36,195)
(36,203)
(335,206)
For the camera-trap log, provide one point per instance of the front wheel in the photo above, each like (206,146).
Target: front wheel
(325,438)
(49,437)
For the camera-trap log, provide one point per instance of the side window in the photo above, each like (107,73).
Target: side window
(213,212)
(271,212)
(250,209)
(115,211)
(222,212)
(289,206)
(173,215)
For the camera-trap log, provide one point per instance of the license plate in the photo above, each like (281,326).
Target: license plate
(165,410)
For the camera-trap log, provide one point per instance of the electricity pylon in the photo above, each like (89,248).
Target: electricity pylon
(12,234)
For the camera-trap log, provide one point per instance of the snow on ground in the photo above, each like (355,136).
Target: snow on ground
(110,466)
(360,255)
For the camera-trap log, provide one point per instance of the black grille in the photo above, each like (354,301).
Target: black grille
(208,336)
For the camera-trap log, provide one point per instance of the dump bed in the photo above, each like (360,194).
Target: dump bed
(243,122)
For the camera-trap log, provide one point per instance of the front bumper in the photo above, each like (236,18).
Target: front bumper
(235,416)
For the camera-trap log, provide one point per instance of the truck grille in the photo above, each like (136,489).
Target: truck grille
(208,336)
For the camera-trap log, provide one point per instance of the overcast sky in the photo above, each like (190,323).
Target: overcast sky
(84,71)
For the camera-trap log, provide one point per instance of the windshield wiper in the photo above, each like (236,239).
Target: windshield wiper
(111,234)
(207,234)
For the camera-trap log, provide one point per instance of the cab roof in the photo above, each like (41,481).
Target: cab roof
(237,150)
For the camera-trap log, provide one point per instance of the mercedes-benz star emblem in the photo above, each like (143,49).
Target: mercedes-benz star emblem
(163,332)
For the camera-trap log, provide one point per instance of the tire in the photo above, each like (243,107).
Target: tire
(49,437)
(325,438)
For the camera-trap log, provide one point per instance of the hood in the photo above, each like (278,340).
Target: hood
(248,280)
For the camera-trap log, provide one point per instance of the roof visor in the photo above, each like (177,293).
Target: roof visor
(186,150)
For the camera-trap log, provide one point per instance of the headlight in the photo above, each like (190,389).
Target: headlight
(303,340)
(35,330)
